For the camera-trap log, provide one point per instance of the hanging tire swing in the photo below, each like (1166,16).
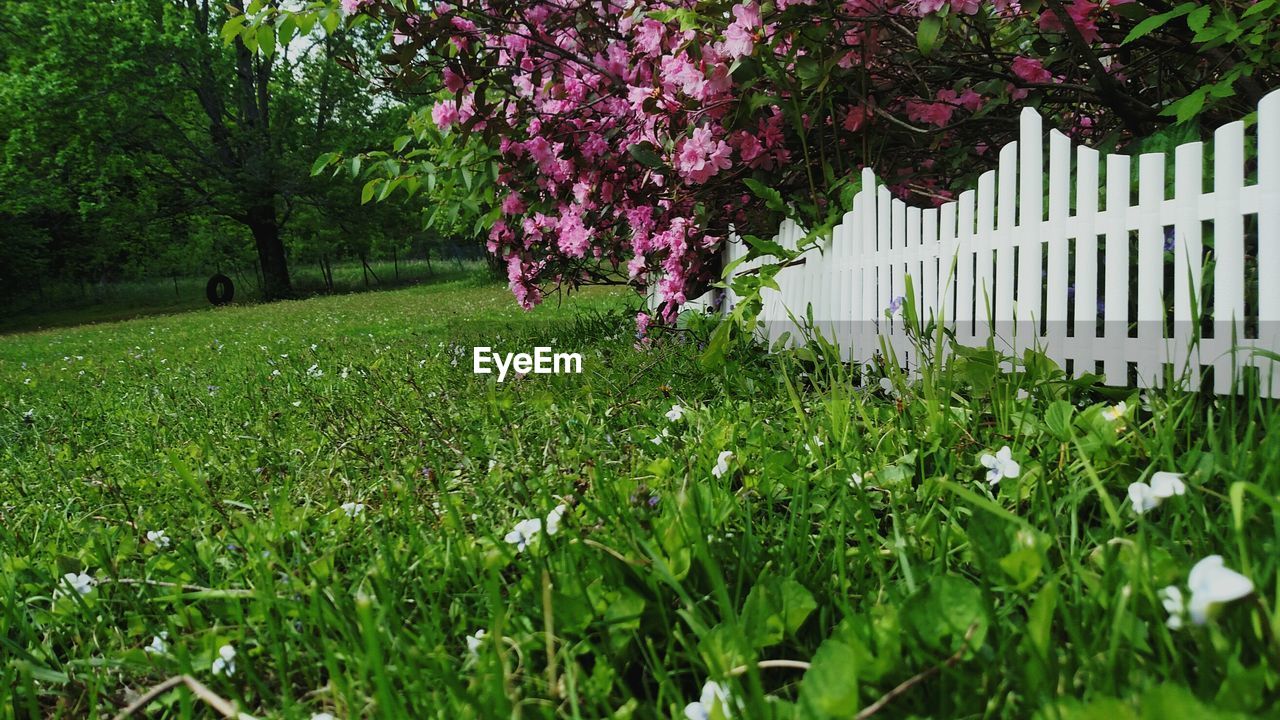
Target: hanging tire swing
(220,290)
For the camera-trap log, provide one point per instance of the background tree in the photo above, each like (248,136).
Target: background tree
(137,141)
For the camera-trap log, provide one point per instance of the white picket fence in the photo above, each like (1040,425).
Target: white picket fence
(1090,283)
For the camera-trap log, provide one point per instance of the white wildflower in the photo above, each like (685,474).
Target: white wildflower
(315,372)
(524,533)
(82,583)
(1213,583)
(1171,599)
(225,663)
(353,509)
(1001,465)
(722,463)
(159,644)
(553,519)
(474,642)
(158,538)
(713,694)
(675,413)
(1116,412)
(1163,485)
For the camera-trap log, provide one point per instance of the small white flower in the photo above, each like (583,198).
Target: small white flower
(713,694)
(313,347)
(1116,412)
(225,663)
(345,372)
(1001,465)
(722,463)
(855,480)
(474,642)
(553,519)
(1163,485)
(158,645)
(315,372)
(1171,599)
(523,533)
(82,583)
(322,716)
(657,439)
(813,445)
(158,538)
(29,415)
(353,509)
(1213,583)
(675,413)
(1167,484)
(1142,498)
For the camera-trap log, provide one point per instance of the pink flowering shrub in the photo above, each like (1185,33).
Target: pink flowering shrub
(625,134)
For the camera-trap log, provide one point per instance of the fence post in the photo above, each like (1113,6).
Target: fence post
(1228,249)
(1030,225)
(1269,234)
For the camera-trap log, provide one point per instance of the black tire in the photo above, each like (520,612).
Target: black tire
(220,290)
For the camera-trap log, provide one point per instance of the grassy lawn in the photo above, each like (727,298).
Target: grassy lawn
(315,507)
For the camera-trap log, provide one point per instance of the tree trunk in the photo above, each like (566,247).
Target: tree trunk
(266,236)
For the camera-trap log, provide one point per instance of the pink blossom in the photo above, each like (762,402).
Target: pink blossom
(1030,70)
(855,118)
(453,81)
(445,114)
(1082,14)
(574,237)
(969,100)
(740,35)
(701,156)
(512,205)
(355,6)
(934,113)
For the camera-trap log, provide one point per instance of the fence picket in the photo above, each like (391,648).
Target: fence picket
(1055,236)
(1269,236)
(1187,266)
(1029,233)
(1228,250)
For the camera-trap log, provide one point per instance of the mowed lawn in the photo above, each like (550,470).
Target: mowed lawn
(316,507)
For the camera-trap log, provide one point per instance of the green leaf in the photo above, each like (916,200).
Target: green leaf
(941,614)
(772,198)
(286,30)
(830,685)
(927,33)
(1188,107)
(717,346)
(1197,19)
(402,141)
(369,188)
(646,154)
(774,608)
(1058,419)
(321,163)
(1154,22)
(266,39)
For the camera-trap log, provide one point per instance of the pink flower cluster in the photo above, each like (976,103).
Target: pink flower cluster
(624,136)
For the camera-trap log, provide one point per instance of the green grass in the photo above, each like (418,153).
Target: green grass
(66,305)
(806,594)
